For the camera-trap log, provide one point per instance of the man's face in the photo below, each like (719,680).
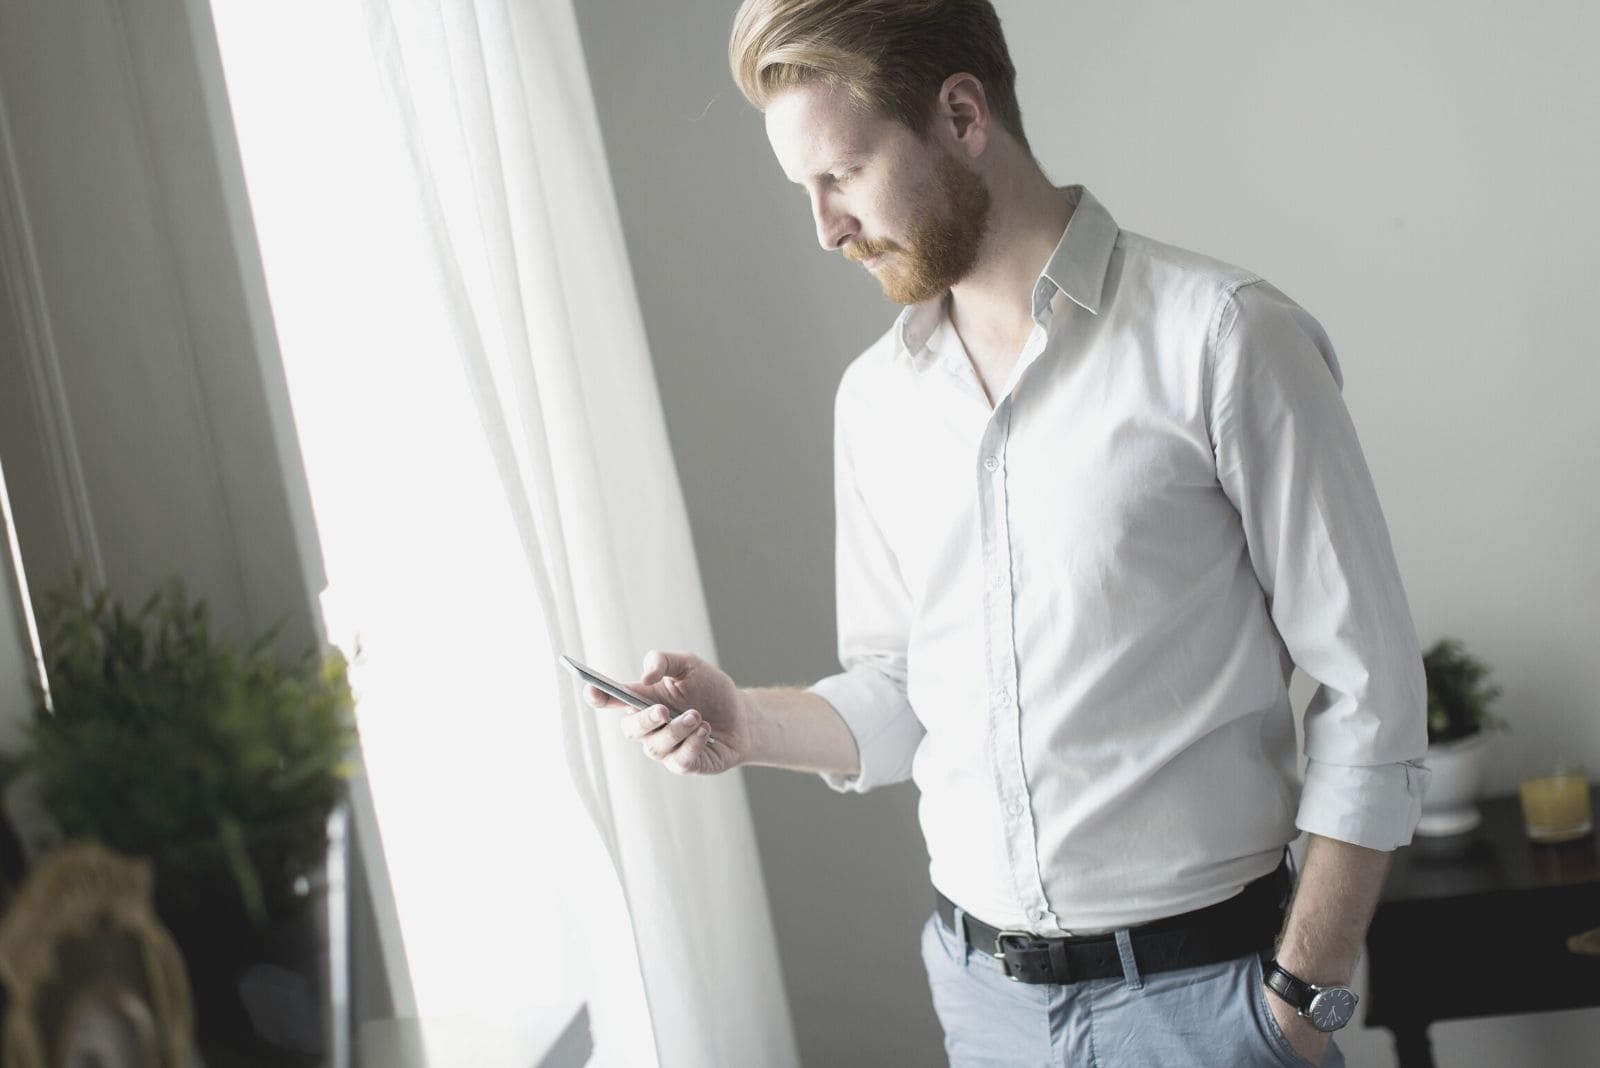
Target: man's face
(907,209)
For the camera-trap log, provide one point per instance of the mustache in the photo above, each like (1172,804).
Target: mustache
(860,249)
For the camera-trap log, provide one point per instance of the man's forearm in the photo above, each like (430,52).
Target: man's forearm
(1333,904)
(796,729)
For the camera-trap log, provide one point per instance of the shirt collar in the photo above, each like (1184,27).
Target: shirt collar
(1078,265)
(916,327)
(1077,268)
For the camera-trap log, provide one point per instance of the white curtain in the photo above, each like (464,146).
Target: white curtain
(512,184)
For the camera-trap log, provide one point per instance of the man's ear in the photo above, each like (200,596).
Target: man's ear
(963,111)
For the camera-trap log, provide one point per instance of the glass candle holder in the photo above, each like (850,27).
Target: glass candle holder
(1555,807)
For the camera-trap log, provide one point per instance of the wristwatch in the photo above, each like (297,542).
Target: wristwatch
(1327,1007)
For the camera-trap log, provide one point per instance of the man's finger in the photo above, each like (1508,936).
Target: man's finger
(661,743)
(687,756)
(641,722)
(659,663)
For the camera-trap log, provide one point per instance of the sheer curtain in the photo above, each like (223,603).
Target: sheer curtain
(511,181)
(492,484)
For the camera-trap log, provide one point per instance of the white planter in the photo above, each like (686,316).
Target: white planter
(1457,779)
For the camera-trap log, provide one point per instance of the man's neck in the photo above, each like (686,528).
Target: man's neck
(992,308)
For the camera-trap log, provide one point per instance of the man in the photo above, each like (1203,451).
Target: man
(1096,496)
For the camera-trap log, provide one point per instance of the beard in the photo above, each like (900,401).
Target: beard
(944,240)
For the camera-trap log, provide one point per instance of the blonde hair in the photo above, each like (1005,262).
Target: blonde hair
(891,55)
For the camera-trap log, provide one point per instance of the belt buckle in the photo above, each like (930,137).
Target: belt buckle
(999,952)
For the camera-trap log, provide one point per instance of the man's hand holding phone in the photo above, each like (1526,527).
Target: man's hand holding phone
(693,703)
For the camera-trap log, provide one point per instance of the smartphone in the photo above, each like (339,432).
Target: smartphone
(615,688)
(600,682)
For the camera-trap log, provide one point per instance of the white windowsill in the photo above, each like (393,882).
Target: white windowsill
(544,1039)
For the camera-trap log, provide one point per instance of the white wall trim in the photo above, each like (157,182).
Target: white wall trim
(22,666)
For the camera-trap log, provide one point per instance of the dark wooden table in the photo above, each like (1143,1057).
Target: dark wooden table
(1477,924)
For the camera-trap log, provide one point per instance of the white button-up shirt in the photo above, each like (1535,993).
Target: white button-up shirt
(1072,617)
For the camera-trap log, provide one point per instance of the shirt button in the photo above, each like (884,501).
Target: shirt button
(1000,697)
(1036,914)
(991,464)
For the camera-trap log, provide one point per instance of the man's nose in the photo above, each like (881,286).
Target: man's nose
(835,225)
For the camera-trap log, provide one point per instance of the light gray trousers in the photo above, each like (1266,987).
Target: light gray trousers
(1215,1014)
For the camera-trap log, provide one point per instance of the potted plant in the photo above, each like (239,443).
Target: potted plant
(1460,715)
(161,739)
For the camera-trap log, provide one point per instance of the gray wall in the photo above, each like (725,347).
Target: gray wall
(1420,176)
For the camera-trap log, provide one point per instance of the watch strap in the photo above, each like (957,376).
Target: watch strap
(1327,1007)
(1296,992)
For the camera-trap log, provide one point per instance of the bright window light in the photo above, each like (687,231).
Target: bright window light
(425,568)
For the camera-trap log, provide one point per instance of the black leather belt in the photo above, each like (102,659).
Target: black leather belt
(1247,922)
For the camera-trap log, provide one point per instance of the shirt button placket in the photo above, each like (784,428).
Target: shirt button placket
(1010,784)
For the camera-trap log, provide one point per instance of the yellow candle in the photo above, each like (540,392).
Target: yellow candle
(1555,808)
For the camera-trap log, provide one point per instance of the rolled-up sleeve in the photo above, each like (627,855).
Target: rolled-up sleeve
(1288,458)
(874,617)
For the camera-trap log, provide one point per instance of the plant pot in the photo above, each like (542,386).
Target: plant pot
(1457,779)
(266,994)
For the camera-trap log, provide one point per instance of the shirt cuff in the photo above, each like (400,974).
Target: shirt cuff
(1376,806)
(886,730)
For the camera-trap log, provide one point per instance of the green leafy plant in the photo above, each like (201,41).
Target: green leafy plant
(1460,693)
(162,739)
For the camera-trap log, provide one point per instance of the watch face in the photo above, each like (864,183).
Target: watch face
(1332,1008)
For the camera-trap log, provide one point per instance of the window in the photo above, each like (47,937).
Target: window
(485,840)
